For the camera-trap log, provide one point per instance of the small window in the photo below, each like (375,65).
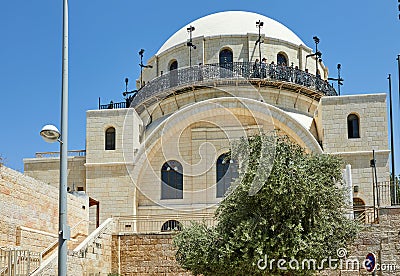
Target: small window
(227,171)
(353,126)
(171,225)
(281,59)
(171,180)
(110,138)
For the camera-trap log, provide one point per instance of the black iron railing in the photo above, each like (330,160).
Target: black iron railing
(203,74)
(113,105)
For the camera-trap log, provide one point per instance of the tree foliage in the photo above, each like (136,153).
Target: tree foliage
(296,213)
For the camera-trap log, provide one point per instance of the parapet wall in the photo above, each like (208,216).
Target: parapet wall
(29,212)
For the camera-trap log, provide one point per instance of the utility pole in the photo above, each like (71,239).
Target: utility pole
(391,139)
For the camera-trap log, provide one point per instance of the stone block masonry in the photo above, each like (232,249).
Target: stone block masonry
(145,254)
(29,212)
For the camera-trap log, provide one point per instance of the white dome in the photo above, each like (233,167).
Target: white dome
(232,23)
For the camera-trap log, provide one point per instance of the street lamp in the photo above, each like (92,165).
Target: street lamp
(141,52)
(316,40)
(190,43)
(51,134)
(338,79)
(392,139)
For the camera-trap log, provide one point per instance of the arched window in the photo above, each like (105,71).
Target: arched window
(353,126)
(171,225)
(226,63)
(281,59)
(173,74)
(227,171)
(171,180)
(110,139)
(359,209)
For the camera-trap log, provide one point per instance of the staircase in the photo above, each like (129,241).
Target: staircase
(93,250)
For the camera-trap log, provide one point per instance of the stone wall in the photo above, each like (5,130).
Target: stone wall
(29,212)
(48,171)
(153,254)
(139,254)
(383,240)
(107,178)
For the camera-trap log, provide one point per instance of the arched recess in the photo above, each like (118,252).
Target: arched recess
(171,126)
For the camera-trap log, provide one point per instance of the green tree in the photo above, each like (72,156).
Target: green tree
(297,212)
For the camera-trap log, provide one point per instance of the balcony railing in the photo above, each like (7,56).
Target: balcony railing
(71,153)
(160,223)
(203,75)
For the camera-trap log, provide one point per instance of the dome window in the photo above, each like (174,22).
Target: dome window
(226,63)
(173,65)
(173,73)
(281,59)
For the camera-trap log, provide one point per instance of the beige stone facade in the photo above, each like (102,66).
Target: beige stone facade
(47,170)
(197,119)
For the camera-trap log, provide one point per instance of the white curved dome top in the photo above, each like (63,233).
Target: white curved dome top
(232,23)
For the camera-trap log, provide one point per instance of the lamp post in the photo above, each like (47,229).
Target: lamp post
(316,40)
(141,52)
(51,134)
(392,140)
(190,44)
(338,79)
(259,25)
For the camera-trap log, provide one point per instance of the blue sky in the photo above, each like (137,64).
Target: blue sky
(105,37)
